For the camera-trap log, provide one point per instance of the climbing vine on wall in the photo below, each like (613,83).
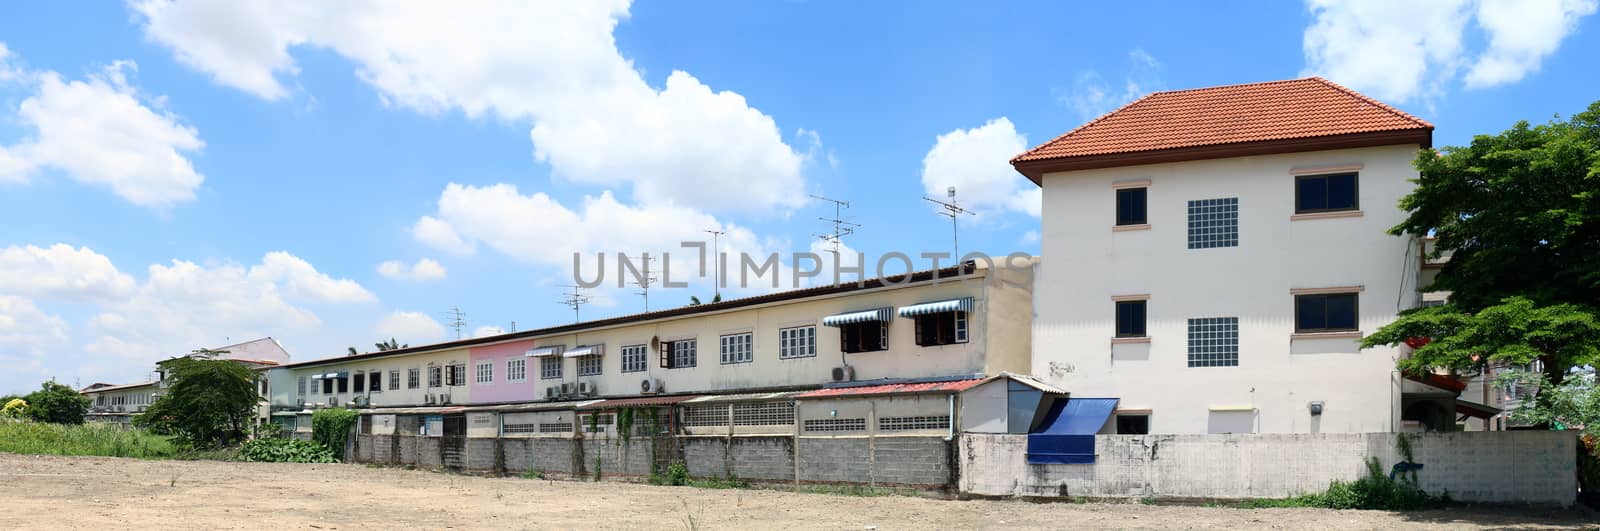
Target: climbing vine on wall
(331,427)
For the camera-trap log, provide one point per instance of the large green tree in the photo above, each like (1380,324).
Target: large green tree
(57,404)
(1519,215)
(208,401)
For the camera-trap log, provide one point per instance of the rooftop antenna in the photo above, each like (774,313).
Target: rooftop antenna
(841,227)
(954,212)
(457,319)
(716,262)
(513,327)
(574,299)
(645,281)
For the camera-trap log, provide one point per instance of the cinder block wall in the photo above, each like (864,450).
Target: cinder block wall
(1511,467)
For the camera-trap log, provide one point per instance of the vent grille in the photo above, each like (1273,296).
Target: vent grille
(836,425)
(936,422)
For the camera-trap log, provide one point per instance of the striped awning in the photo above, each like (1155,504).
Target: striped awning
(963,304)
(545,352)
(586,350)
(880,314)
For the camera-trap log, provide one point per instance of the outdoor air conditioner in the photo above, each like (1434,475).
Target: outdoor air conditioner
(118,409)
(333,401)
(568,388)
(550,393)
(587,388)
(444,399)
(650,385)
(427,399)
(300,403)
(844,373)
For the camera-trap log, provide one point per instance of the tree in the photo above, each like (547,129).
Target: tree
(209,401)
(391,344)
(57,404)
(1519,215)
(352,352)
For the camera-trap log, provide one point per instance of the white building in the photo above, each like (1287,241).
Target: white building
(1211,258)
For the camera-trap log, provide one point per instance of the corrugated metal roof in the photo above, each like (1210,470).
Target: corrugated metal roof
(953,386)
(540,406)
(639,401)
(745,397)
(117,387)
(412,410)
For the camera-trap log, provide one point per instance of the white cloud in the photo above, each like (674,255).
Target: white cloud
(975,161)
(99,132)
(486,331)
(424,270)
(61,272)
(300,280)
(1403,51)
(1091,95)
(595,118)
(440,235)
(414,328)
(1521,34)
(26,331)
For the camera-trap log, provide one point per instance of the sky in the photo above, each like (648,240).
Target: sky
(178,175)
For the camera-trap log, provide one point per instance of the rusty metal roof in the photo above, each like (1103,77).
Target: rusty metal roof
(953,386)
(638,401)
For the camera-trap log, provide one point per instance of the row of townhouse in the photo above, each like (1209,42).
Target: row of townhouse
(118,403)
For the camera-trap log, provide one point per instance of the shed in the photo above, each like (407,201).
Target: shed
(1007,403)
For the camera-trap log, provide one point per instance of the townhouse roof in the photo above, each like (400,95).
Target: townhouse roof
(919,277)
(946,386)
(1288,116)
(106,388)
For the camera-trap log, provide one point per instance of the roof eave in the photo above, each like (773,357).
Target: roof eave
(1034,170)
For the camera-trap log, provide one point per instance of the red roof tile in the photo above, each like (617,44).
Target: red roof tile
(638,401)
(1233,114)
(954,386)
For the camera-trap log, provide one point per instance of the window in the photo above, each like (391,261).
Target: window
(1133,424)
(1332,312)
(934,422)
(836,425)
(343,384)
(589,365)
(678,354)
(869,336)
(485,372)
(764,414)
(736,348)
(435,376)
(458,374)
(316,386)
(797,342)
(300,386)
(941,328)
(705,416)
(1130,318)
(1214,223)
(1132,206)
(550,367)
(1325,193)
(374,381)
(516,370)
(360,381)
(634,358)
(1214,342)
(413,378)
(394,380)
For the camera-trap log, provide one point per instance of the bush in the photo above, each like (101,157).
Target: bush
(677,474)
(331,428)
(1375,491)
(25,437)
(278,450)
(56,404)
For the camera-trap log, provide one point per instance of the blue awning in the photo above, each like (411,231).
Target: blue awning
(1066,437)
(880,314)
(963,304)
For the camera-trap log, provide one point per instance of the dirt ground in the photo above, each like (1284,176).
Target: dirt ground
(91,492)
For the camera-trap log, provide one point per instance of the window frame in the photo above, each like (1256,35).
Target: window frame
(1143,193)
(590,365)
(300,387)
(848,347)
(736,348)
(1355,191)
(435,376)
(458,375)
(517,369)
(549,370)
(685,353)
(797,342)
(957,321)
(1355,309)
(1210,354)
(635,358)
(1140,415)
(483,372)
(414,378)
(394,379)
(1205,226)
(1144,318)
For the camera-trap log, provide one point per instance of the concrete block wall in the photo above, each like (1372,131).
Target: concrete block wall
(408,450)
(483,454)
(834,460)
(916,461)
(554,455)
(428,452)
(761,458)
(518,455)
(616,458)
(1507,467)
(363,449)
(383,449)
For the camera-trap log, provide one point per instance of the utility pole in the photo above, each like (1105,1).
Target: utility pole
(574,299)
(954,212)
(645,281)
(716,262)
(841,227)
(457,319)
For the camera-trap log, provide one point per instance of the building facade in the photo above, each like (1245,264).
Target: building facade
(1212,258)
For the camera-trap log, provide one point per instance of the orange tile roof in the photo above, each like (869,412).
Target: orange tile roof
(1294,109)
(954,386)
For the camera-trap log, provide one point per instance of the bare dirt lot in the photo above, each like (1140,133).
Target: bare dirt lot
(91,492)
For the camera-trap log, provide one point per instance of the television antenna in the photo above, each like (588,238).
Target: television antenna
(953,211)
(716,262)
(456,319)
(841,226)
(644,282)
(574,299)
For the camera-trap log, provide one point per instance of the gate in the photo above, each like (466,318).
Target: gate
(453,442)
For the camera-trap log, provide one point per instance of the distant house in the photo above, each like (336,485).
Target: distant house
(118,403)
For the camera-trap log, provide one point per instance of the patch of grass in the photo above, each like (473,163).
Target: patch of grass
(1376,491)
(855,490)
(722,483)
(219,454)
(533,474)
(25,437)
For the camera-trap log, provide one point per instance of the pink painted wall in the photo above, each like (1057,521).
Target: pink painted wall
(501,390)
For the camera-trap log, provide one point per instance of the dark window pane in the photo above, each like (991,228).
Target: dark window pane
(1130,319)
(1342,192)
(1341,311)
(1321,313)
(1311,194)
(1310,312)
(1131,206)
(1133,424)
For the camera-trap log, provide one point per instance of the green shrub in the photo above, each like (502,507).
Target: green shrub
(331,428)
(278,450)
(1375,491)
(677,474)
(26,437)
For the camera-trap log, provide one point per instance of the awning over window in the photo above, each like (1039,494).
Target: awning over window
(880,314)
(586,350)
(340,374)
(963,304)
(545,352)
(1474,409)
(1066,437)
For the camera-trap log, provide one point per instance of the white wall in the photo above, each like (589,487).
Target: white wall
(285,381)
(1086,263)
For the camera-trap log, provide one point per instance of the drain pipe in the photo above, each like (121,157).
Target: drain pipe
(951,431)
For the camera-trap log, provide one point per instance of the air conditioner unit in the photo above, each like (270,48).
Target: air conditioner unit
(550,393)
(444,399)
(587,388)
(650,385)
(118,409)
(333,401)
(301,402)
(844,373)
(427,399)
(567,388)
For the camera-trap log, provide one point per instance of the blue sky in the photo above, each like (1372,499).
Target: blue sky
(178,175)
